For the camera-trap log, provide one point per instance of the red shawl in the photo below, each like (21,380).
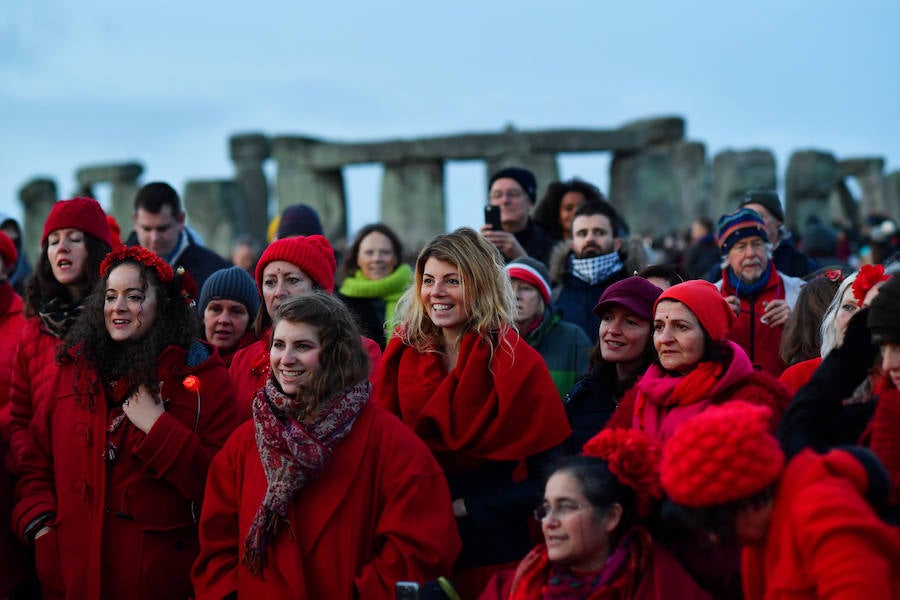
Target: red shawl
(503,407)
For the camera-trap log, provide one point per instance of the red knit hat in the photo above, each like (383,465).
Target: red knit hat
(312,254)
(80,213)
(724,454)
(8,252)
(633,458)
(707,304)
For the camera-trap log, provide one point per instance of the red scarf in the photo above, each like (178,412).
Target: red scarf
(293,454)
(501,407)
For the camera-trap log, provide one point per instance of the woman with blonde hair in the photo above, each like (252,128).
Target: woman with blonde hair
(481,398)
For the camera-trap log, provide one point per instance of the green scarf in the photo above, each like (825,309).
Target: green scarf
(388,289)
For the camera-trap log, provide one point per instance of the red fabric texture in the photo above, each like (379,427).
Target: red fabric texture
(32,382)
(633,457)
(882,435)
(652,574)
(707,304)
(799,374)
(380,513)
(503,407)
(82,213)
(250,366)
(824,540)
(7,252)
(758,339)
(311,254)
(726,453)
(128,524)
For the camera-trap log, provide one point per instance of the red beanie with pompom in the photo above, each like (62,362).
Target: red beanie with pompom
(633,458)
(724,454)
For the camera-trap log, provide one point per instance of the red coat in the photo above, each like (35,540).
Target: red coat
(32,382)
(824,539)
(250,367)
(123,528)
(380,513)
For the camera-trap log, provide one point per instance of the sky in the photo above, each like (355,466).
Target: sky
(166,83)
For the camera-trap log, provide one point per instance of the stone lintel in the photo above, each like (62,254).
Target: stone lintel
(860,166)
(121,172)
(657,130)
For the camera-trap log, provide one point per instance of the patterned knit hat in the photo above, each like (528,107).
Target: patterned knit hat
(8,252)
(707,304)
(299,219)
(80,213)
(313,255)
(724,454)
(740,224)
(523,177)
(533,272)
(767,198)
(233,283)
(884,313)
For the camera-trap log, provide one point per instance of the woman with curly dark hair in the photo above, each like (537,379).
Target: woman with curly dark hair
(556,210)
(110,488)
(76,237)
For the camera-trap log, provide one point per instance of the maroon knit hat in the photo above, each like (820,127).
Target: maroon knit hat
(312,254)
(8,252)
(80,213)
(634,293)
(724,454)
(707,304)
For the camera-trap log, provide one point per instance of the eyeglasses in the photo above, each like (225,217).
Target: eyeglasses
(511,194)
(560,511)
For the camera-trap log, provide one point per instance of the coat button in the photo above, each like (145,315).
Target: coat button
(83,432)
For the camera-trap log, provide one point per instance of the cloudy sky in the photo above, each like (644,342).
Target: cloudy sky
(167,82)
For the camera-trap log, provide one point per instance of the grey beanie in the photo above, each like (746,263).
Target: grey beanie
(232,283)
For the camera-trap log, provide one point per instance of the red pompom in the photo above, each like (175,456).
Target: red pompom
(191,383)
(633,458)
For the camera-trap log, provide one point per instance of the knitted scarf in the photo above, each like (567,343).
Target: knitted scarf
(388,289)
(743,289)
(595,269)
(57,317)
(293,454)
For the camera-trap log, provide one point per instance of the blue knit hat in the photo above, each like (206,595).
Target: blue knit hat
(299,219)
(738,225)
(232,283)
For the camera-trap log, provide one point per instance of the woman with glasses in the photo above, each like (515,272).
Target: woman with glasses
(594,546)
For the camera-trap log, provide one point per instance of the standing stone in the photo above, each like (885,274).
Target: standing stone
(810,177)
(892,195)
(842,206)
(216,211)
(692,178)
(248,152)
(412,201)
(736,171)
(868,172)
(37,198)
(123,179)
(298,182)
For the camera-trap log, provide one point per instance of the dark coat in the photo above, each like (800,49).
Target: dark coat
(199,261)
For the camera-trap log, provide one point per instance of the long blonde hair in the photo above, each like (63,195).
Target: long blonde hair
(487,292)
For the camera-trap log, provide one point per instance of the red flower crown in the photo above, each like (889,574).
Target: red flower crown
(633,458)
(867,278)
(142,255)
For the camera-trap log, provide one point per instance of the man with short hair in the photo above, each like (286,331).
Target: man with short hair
(159,226)
(514,190)
(761,297)
(592,264)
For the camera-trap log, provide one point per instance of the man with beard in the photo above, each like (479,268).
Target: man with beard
(761,297)
(592,264)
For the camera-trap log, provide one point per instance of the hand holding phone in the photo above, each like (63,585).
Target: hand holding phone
(492,217)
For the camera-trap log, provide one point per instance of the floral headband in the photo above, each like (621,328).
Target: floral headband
(142,255)
(868,277)
(633,458)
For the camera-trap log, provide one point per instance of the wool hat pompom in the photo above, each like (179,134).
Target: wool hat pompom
(633,458)
(233,283)
(706,302)
(740,224)
(724,454)
(8,252)
(312,254)
(884,313)
(533,272)
(81,213)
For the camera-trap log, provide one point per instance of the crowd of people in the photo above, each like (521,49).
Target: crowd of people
(532,410)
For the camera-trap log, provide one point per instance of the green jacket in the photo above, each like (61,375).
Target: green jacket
(565,348)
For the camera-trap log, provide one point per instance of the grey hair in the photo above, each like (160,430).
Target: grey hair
(828,329)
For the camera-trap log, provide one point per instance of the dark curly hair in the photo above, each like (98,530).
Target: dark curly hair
(43,286)
(546,213)
(176,324)
(344,361)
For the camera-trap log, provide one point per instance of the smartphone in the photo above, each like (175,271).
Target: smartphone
(492,217)
(410,590)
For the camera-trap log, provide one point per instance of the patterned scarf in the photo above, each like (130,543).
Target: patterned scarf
(595,269)
(293,454)
(742,289)
(57,317)
(388,289)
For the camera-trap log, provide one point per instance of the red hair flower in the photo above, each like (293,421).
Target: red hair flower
(868,277)
(140,255)
(633,458)
(191,383)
